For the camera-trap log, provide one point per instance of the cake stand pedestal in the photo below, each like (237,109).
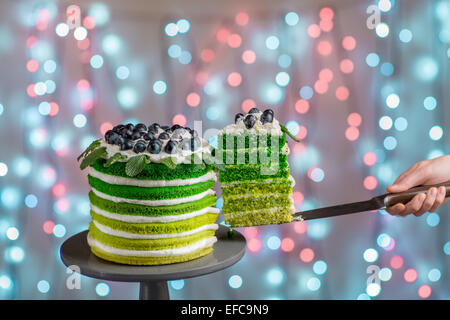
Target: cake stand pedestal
(153,279)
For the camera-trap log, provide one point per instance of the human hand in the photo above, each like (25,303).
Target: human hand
(426,172)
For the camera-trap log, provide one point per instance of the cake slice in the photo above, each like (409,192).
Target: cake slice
(152,201)
(255,177)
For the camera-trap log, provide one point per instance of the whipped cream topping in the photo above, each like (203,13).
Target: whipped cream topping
(272,128)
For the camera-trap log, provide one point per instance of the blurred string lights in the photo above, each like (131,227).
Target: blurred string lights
(299,241)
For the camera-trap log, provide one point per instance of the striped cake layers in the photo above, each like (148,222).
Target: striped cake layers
(257,194)
(167,219)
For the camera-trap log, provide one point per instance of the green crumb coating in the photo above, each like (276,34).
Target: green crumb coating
(256,218)
(243,172)
(238,204)
(251,140)
(149,261)
(147,244)
(157,227)
(260,187)
(150,193)
(142,210)
(155,171)
(251,156)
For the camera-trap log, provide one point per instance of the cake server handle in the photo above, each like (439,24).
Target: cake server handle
(379,202)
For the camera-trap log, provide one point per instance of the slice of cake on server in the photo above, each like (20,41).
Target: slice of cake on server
(151,197)
(255,176)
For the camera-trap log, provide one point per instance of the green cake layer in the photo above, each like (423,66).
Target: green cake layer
(155,171)
(157,227)
(248,141)
(244,172)
(257,187)
(150,260)
(142,210)
(150,193)
(260,217)
(239,204)
(147,244)
(244,156)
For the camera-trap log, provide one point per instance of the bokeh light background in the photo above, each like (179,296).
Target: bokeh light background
(365,103)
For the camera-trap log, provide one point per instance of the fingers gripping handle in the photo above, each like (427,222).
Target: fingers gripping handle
(391,199)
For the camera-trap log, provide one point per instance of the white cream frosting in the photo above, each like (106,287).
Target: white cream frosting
(154,203)
(181,156)
(146,219)
(150,183)
(129,235)
(272,128)
(203,243)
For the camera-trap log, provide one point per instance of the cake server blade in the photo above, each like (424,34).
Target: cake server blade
(376,203)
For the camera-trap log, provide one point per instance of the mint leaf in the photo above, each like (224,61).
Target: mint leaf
(135,165)
(95,144)
(170,162)
(92,157)
(286,131)
(117,157)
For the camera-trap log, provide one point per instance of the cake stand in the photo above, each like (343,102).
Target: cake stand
(153,279)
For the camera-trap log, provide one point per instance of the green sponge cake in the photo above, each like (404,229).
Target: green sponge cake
(255,178)
(151,195)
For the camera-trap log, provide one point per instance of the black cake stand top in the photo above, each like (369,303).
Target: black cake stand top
(227,251)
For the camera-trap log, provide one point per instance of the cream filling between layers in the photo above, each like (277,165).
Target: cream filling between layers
(129,235)
(150,183)
(147,219)
(155,203)
(203,243)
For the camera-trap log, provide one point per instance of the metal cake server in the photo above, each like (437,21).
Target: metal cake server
(376,203)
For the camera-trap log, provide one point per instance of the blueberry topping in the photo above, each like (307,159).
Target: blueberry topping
(178,133)
(118,128)
(269,111)
(266,117)
(139,147)
(185,144)
(171,147)
(253,110)
(164,136)
(148,136)
(154,146)
(165,127)
(249,121)
(175,127)
(193,133)
(137,134)
(195,143)
(238,117)
(109,134)
(126,145)
(129,126)
(154,125)
(140,127)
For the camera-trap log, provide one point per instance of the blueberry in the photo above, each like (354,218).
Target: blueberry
(164,127)
(164,136)
(126,145)
(129,126)
(175,127)
(195,143)
(185,144)
(154,146)
(137,134)
(238,116)
(154,125)
(249,121)
(118,128)
(140,127)
(109,134)
(153,128)
(193,133)
(139,147)
(269,111)
(266,117)
(178,133)
(171,147)
(148,136)
(254,110)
